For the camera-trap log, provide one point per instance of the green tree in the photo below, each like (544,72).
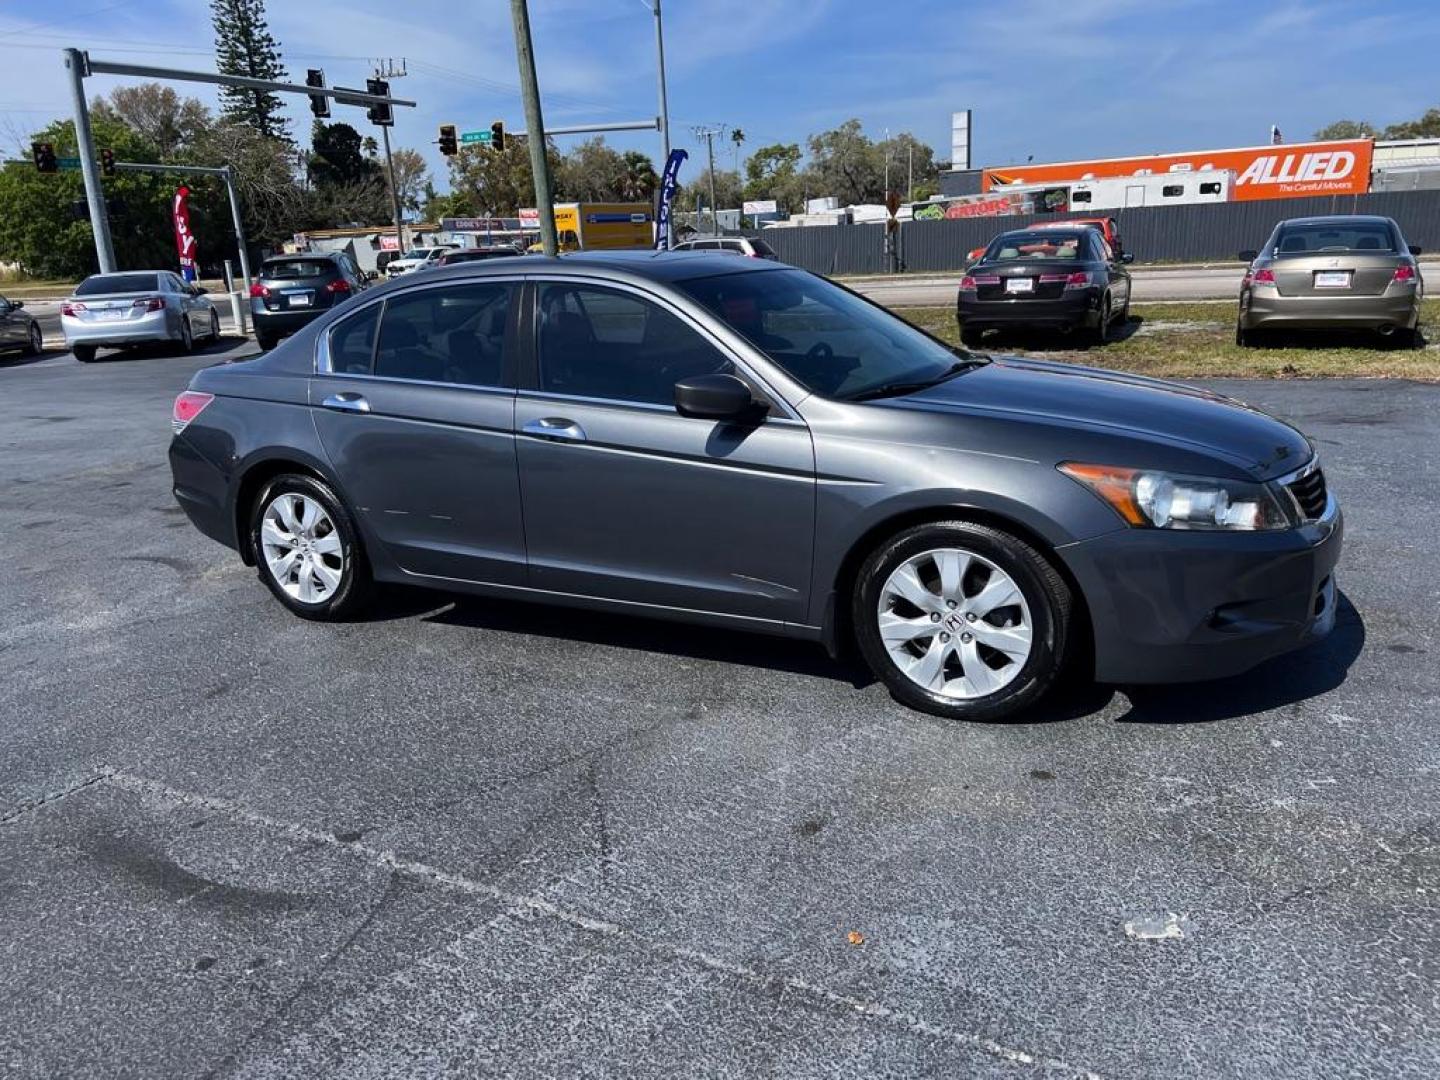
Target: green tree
(335,157)
(1426,127)
(729,192)
(908,156)
(845,163)
(245,46)
(40,230)
(412,176)
(591,172)
(434,206)
(773,172)
(498,183)
(639,180)
(157,114)
(1347,129)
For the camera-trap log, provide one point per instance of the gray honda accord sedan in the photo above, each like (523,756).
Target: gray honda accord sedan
(739,443)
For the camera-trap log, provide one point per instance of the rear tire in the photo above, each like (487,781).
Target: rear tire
(1101,334)
(1244,338)
(975,553)
(1404,338)
(84,353)
(971,335)
(266,341)
(307,550)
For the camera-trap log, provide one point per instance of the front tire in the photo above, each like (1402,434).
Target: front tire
(214,325)
(187,336)
(961,620)
(36,344)
(307,549)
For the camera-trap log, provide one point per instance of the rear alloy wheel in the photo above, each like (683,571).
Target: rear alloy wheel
(1101,333)
(84,353)
(37,341)
(962,620)
(307,550)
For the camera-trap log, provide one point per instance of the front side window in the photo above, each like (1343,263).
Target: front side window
(826,338)
(454,334)
(352,342)
(602,343)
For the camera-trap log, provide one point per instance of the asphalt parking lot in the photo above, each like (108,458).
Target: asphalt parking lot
(470,838)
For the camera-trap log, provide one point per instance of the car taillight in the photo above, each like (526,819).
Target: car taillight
(340,286)
(188,405)
(967,283)
(1078,280)
(150,303)
(1261,277)
(257,290)
(1404,273)
(68,308)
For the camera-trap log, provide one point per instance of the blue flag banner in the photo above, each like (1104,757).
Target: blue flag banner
(668,183)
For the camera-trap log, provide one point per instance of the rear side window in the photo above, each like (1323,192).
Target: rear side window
(452,335)
(352,342)
(101,284)
(286,269)
(762,248)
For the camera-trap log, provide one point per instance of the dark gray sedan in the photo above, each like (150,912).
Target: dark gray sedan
(19,330)
(742,444)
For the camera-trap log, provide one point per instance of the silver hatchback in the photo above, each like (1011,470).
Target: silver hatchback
(136,308)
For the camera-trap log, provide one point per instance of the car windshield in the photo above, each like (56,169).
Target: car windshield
(1313,237)
(418,253)
(101,284)
(824,337)
(1039,244)
(297,268)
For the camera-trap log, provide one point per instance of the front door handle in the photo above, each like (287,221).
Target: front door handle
(555,427)
(347,403)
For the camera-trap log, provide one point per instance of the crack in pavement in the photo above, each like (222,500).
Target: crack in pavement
(55,796)
(774,985)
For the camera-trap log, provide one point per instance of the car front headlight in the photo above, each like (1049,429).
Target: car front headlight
(1150,498)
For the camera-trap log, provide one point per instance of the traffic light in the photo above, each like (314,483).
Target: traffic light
(319,103)
(380,114)
(497,135)
(448,145)
(107,162)
(44,155)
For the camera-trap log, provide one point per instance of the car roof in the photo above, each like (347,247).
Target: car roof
(647,265)
(1339,219)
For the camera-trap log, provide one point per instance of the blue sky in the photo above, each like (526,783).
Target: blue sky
(1059,79)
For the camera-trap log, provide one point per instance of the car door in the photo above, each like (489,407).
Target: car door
(626,499)
(414,404)
(12,326)
(184,297)
(1119,276)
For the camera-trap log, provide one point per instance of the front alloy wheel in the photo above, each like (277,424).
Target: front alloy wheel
(37,341)
(962,620)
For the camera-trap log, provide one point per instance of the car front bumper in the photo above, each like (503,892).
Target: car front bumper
(1266,309)
(1077,308)
(153,326)
(1175,606)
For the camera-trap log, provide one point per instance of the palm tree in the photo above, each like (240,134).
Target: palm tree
(737,137)
(638,182)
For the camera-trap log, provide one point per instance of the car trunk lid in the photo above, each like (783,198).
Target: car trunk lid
(1334,273)
(1038,279)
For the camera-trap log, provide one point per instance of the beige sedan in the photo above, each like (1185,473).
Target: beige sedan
(1345,272)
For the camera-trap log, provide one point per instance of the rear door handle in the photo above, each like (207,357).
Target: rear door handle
(347,403)
(557,428)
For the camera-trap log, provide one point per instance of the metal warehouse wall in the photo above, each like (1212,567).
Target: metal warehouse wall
(1204,233)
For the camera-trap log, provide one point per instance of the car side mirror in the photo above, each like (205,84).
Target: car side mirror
(714,397)
(16,305)
(1127,258)
(1249,256)
(1416,249)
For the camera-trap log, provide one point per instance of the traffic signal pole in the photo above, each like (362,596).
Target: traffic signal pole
(394,193)
(94,196)
(534,121)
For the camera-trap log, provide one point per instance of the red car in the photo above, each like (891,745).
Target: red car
(1108,226)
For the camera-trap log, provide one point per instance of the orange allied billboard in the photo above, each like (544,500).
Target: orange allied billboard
(1280,171)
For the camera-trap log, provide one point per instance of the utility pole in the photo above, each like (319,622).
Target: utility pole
(387,70)
(910,172)
(708,134)
(535,125)
(664,106)
(75,64)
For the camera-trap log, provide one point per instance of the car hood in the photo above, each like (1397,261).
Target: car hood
(1131,405)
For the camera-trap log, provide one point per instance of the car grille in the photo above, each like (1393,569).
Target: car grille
(1309,492)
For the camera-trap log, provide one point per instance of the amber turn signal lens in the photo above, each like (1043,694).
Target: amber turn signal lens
(1112,483)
